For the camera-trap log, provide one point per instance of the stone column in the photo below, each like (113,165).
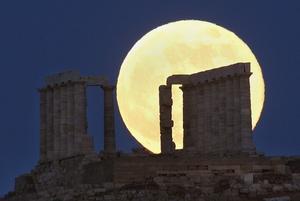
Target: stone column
(70,119)
(165,117)
(246,122)
(206,102)
(200,110)
(50,133)
(43,124)
(109,120)
(221,115)
(229,134)
(63,120)
(56,120)
(236,113)
(79,115)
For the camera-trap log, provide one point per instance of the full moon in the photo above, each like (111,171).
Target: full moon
(181,47)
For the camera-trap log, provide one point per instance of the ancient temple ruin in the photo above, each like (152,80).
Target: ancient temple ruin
(217,121)
(63,121)
(216,111)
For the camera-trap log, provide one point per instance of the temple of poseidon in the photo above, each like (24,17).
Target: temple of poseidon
(218,161)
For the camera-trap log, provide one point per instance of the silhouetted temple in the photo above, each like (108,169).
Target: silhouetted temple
(218,160)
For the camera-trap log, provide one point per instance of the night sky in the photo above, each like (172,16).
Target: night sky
(38,38)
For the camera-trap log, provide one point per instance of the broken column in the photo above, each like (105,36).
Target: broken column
(109,122)
(166,123)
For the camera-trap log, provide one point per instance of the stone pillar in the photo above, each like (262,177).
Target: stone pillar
(70,119)
(246,122)
(206,102)
(79,116)
(165,117)
(236,113)
(109,120)
(200,110)
(43,124)
(220,115)
(50,133)
(229,134)
(56,121)
(214,117)
(63,120)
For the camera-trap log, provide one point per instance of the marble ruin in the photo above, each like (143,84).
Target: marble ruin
(63,121)
(216,111)
(218,162)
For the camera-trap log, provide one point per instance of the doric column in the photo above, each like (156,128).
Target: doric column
(63,120)
(109,121)
(50,133)
(43,124)
(56,120)
(165,117)
(236,112)
(246,122)
(229,134)
(80,124)
(220,114)
(70,119)
(206,102)
(200,110)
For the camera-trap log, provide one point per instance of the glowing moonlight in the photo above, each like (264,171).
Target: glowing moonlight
(181,47)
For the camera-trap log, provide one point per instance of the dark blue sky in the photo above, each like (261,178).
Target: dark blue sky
(38,38)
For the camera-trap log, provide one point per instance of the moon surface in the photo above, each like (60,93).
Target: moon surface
(181,47)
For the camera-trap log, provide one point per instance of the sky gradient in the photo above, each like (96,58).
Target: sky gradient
(38,38)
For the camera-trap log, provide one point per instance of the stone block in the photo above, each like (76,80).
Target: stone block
(248,178)
(283,198)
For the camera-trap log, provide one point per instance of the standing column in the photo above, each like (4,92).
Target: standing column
(63,121)
(213,117)
(43,124)
(50,133)
(229,114)
(221,104)
(236,113)
(79,115)
(165,116)
(246,122)
(109,120)
(70,119)
(200,123)
(56,120)
(206,101)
